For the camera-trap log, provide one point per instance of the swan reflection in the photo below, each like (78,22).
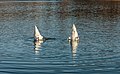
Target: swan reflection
(37,45)
(74,45)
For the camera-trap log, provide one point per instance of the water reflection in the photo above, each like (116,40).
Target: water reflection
(98,23)
(74,45)
(37,45)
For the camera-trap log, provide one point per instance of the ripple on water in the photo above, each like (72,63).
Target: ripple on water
(96,53)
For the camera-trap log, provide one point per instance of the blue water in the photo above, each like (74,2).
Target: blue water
(98,25)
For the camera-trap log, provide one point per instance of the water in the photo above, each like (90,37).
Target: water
(98,26)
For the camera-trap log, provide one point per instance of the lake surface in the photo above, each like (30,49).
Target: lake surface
(98,25)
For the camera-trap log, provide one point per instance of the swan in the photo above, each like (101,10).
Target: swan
(37,35)
(74,36)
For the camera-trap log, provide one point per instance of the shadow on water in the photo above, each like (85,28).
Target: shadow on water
(38,44)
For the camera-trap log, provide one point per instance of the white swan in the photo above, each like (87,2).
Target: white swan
(74,36)
(37,35)
(74,40)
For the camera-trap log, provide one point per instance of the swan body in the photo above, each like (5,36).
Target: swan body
(37,35)
(74,36)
